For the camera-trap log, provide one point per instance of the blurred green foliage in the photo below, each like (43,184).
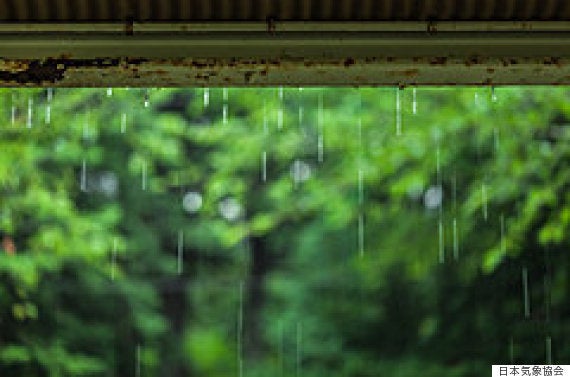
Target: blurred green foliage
(355,252)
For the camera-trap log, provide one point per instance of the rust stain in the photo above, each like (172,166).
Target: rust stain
(405,73)
(39,72)
(552,60)
(440,60)
(247,71)
(348,62)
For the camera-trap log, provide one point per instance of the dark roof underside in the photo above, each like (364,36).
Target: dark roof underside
(283,10)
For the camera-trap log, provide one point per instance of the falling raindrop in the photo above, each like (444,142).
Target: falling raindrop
(438,166)
(281,348)
(361,234)
(360,187)
(526,297)
(299,353)
(264,166)
(86,129)
(414,101)
(180,251)
(192,202)
(441,239)
(265,125)
(496,138)
(549,350)
(114,259)
(360,134)
(503,241)
(30,112)
(123,123)
(511,349)
(49,97)
(206,97)
(438,198)
(301,111)
(109,92)
(280,109)
(493,94)
(398,113)
(143,176)
(239,337)
(547,283)
(484,200)
(138,361)
(320,129)
(455,240)
(454,190)
(13,110)
(146,98)
(83,182)
(360,170)
(225,106)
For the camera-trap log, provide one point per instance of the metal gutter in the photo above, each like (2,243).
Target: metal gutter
(284,53)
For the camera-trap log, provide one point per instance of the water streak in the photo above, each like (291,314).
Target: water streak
(146,98)
(455,240)
(138,361)
(49,97)
(280,109)
(239,337)
(143,176)
(180,251)
(83,182)
(265,123)
(360,186)
(301,110)
(206,97)
(13,111)
(398,113)
(85,129)
(503,240)
(454,191)
(264,166)
(441,239)
(438,165)
(281,349)
(30,112)
(123,123)
(526,296)
(511,350)
(225,106)
(320,129)
(549,350)
(299,353)
(114,259)
(414,101)
(484,200)
(361,234)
